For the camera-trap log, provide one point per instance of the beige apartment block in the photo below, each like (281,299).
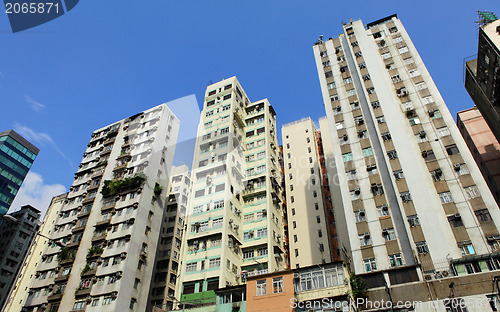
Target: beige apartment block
(27,272)
(408,196)
(102,246)
(235,219)
(309,235)
(169,249)
(483,145)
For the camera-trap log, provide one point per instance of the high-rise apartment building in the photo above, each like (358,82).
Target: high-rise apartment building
(483,145)
(16,235)
(168,253)
(16,157)
(234,227)
(482,74)
(310,237)
(404,184)
(19,291)
(109,224)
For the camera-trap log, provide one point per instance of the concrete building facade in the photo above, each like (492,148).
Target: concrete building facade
(109,224)
(16,235)
(482,74)
(310,237)
(235,220)
(483,145)
(16,157)
(166,270)
(402,178)
(19,291)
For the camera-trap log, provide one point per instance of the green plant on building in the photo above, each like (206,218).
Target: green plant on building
(86,268)
(116,186)
(94,251)
(158,189)
(66,254)
(358,286)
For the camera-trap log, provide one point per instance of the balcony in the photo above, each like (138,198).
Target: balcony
(55,297)
(99,237)
(83,292)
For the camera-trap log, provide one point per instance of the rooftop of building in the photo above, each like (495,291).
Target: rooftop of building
(17,137)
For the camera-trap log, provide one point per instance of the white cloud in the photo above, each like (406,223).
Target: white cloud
(36,193)
(38,137)
(41,138)
(37,106)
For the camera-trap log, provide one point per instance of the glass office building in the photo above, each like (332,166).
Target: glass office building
(16,157)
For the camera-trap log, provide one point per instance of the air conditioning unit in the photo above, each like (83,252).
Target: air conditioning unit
(119,274)
(367,236)
(123,255)
(357,191)
(88,298)
(456,167)
(427,277)
(384,207)
(422,134)
(236,226)
(345,137)
(231,221)
(114,294)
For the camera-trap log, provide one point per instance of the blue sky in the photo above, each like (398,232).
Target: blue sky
(106,60)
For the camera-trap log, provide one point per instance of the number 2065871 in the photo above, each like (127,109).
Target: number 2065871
(31,8)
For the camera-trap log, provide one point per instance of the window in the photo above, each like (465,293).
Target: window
(405,196)
(445,197)
(389,234)
(214,263)
(318,219)
(482,215)
(467,249)
(395,260)
(191,267)
(347,157)
(261,287)
(472,192)
(402,51)
(455,220)
(370,264)
(320,233)
(398,174)
(398,39)
(347,80)
(365,239)
(367,152)
(393,29)
(461,169)
(355,194)
(428,155)
(277,285)
(375,104)
(408,60)
(392,154)
(435,114)
(414,121)
(422,248)
(79,305)
(381,119)
(421,86)
(328,74)
(351,92)
(360,216)
(382,211)
(331,86)
(413,221)
(386,136)
(351,175)
(427,100)
(339,125)
(386,55)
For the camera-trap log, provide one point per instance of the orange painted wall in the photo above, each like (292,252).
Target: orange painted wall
(279,302)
